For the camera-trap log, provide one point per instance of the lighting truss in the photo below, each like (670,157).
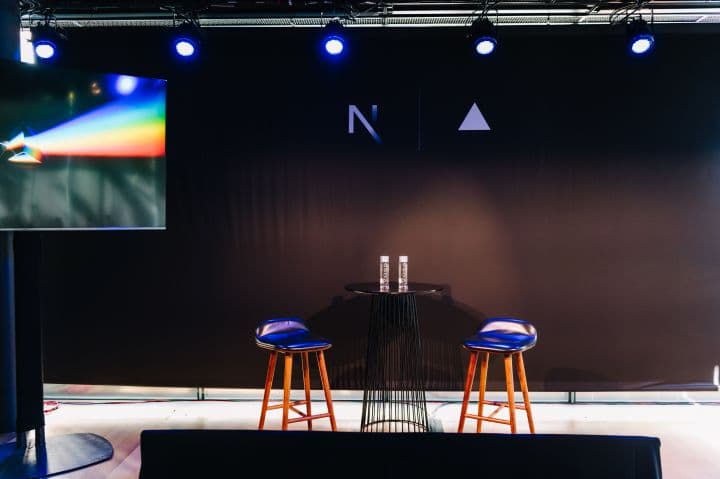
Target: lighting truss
(292,13)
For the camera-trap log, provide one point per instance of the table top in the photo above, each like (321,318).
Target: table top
(374,288)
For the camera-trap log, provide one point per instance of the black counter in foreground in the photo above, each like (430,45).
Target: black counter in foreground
(300,454)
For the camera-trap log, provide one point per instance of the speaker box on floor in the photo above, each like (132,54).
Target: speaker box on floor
(305,454)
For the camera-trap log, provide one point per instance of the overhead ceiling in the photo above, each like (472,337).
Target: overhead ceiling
(304,13)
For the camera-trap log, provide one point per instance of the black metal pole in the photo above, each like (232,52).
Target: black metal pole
(9,50)
(8,396)
(28,333)
(9,47)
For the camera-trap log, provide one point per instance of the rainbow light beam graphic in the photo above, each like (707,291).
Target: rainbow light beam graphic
(127,128)
(22,153)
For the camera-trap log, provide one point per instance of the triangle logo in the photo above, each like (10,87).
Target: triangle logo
(474,120)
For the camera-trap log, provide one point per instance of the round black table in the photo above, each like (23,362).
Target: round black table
(394,391)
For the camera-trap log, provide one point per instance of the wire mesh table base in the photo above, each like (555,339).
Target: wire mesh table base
(394,395)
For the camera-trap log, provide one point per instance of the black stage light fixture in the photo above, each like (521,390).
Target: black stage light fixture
(640,37)
(185,41)
(48,42)
(483,36)
(333,39)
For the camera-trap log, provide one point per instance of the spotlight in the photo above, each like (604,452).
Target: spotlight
(186,41)
(640,37)
(333,40)
(185,47)
(483,37)
(45,49)
(47,42)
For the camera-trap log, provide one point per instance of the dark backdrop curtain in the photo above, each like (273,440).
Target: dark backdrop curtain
(590,208)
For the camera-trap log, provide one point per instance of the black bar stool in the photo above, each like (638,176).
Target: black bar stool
(509,337)
(287,337)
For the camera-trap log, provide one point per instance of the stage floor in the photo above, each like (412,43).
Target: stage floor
(688,432)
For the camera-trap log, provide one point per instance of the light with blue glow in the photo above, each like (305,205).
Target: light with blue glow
(642,44)
(485,45)
(45,49)
(334,45)
(185,47)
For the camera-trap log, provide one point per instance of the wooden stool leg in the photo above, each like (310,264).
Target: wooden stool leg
(306,383)
(286,389)
(468,386)
(481,391)
(510,391)
(326,387)
(520,366)
(268,387)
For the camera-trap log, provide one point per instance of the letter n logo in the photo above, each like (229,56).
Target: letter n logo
(354,112)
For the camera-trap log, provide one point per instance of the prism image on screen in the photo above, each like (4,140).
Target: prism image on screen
(80,150)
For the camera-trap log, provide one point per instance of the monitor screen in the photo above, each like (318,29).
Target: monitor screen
(80,150)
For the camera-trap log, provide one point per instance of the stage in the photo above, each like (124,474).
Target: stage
(690,445)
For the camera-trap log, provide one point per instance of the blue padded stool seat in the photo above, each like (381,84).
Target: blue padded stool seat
(503,335)
(509,337)
(288,334)
(286,337)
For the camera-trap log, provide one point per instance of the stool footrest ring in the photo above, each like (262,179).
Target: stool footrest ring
(299,402)
(488,418)
(308,418)
(500,406)
(504,404)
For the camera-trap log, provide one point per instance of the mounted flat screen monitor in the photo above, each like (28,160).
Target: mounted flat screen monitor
(80,150)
